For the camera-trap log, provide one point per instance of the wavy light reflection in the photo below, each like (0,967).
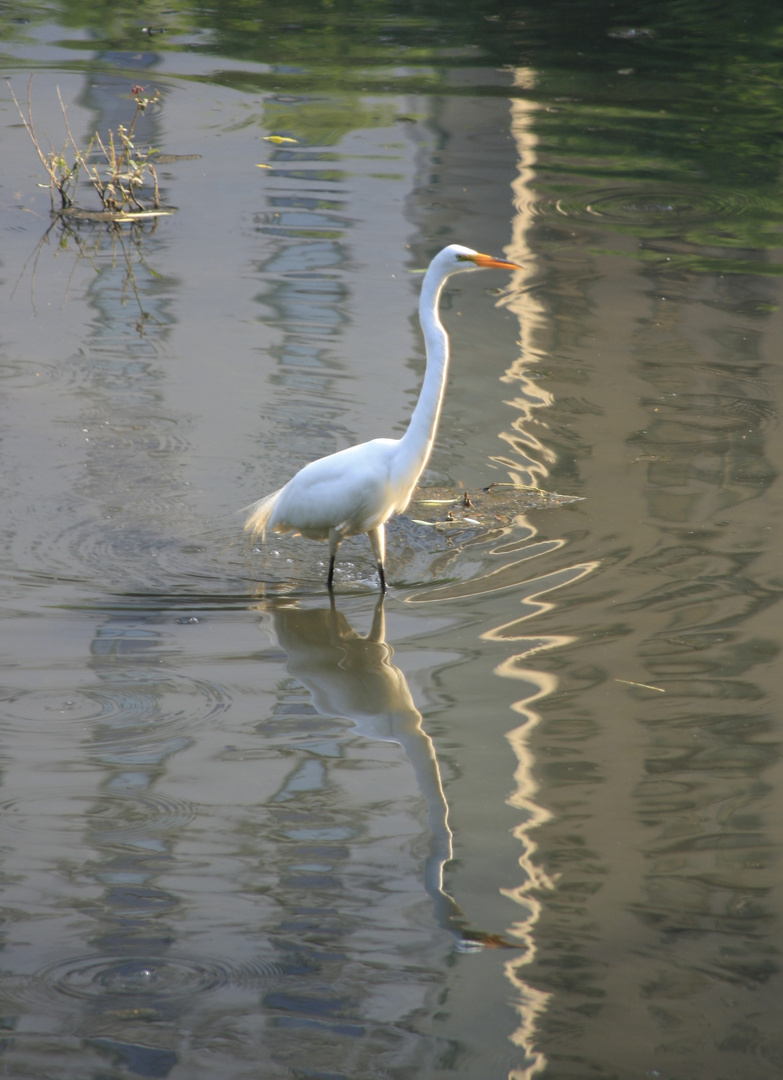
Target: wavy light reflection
(527,467)
(529,1002)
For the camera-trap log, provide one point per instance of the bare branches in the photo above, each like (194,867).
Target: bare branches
(118,170)
(117,178)
(61,178)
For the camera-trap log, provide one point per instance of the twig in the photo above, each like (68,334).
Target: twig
(54,181)
(116,181)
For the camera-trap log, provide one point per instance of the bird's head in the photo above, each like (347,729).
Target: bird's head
(456,259)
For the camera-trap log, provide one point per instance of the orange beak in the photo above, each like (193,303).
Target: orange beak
(489,262)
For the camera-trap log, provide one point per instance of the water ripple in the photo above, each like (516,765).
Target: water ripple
(650,205)
(137,981)
(19,374)
(121,818)
(140,707)
(55,706)
(111,550)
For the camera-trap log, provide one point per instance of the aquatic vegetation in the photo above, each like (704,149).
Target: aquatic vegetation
(115,166)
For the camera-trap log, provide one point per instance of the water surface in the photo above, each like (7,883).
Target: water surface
(522,819)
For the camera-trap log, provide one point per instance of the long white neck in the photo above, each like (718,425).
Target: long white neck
(416,444)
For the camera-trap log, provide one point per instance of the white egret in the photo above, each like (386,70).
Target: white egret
(358,489)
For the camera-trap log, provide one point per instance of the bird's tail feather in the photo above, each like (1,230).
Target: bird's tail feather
(259,514)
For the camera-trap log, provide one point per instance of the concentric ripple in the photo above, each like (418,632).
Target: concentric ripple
(53,706)
(116,551)
(118,818)
(169,976)
(137,981)
(24,374)
(655,206)
(150,435)
(124,555)
(142,707)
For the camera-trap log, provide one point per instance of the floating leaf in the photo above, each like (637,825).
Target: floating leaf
(278,139)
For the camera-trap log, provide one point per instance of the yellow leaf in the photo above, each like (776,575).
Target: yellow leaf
(263,166)
(278,139)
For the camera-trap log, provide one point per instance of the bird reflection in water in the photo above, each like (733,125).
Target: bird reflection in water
(353,677)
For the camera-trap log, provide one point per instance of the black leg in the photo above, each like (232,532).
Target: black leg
(378,541)
(330,578)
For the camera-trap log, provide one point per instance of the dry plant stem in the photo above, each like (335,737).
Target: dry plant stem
(116,217)
(124,161)
(115,181)
(117,191)
(91,173)
(54,180)
(128,137)
(156,196)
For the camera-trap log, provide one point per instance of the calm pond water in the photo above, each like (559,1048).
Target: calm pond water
(524,817)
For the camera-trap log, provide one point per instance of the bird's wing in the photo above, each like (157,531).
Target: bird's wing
(348,491)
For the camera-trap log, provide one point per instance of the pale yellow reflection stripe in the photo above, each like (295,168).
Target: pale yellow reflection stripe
(529,1002)
(528,456)
(527,464)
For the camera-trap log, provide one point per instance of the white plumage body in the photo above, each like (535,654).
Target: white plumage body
(358,489)
(318,499)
